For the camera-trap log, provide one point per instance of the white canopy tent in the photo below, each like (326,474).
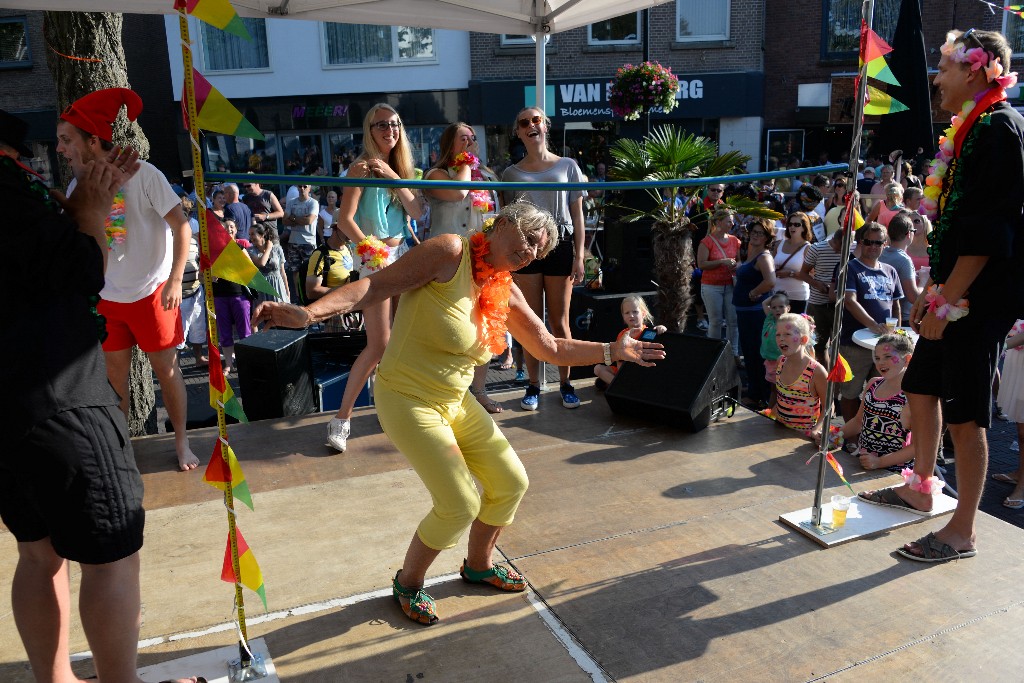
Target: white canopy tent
(518,17)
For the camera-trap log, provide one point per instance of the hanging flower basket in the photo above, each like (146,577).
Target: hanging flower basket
(642,88)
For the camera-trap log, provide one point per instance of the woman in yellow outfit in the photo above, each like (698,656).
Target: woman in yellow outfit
(458,298)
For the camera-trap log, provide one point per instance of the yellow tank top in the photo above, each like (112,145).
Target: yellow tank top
(435,344)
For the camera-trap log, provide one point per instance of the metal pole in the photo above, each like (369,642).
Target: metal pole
(832,349)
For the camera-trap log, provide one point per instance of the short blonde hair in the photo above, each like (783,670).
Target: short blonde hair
(532,221)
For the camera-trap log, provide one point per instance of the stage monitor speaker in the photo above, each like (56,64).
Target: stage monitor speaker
(275,374)
(596,315)
(695,384)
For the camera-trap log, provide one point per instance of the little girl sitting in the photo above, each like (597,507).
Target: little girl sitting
(800,380)
(774,307)
(637,317)
(883,420)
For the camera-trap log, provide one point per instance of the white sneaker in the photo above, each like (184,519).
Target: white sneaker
(337,433)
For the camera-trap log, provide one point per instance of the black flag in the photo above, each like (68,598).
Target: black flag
(908,130)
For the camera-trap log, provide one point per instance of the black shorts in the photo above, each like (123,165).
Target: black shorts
(73,479)
(959,369)
(556,264)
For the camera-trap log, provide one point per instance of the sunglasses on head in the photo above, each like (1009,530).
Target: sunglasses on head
(969,34)
(532,120)
(872,243)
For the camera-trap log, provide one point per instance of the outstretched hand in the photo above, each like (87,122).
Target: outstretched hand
(639,352)
(276,314)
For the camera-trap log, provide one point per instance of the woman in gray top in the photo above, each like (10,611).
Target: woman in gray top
(553,277)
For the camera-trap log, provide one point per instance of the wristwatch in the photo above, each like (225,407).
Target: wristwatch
(607,353)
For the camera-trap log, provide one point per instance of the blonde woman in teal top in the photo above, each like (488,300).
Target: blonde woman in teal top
(382,213)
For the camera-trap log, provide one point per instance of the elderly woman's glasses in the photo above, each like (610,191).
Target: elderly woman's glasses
(384,126)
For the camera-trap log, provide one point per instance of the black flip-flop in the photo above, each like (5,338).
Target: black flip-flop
(890,499)
(935,551)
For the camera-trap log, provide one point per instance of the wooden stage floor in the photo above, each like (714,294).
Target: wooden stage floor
(652,555)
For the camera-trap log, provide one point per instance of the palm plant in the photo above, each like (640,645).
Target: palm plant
(670,153)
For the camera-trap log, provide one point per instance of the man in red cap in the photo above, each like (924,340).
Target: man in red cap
(148,239)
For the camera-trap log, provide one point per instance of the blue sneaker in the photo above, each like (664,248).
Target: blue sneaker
(520,376)
(569,398)
(532,399)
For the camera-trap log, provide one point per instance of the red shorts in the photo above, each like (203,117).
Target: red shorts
(143,322)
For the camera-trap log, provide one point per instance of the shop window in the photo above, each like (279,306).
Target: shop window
(701,20)
(14,52)
(623,30)
(302,155)
(841,31)
(354,44)
(227,153)
(1013,29)
(516,40)
(225,52)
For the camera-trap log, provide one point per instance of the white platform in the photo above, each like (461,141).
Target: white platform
(211,665)
(863,519)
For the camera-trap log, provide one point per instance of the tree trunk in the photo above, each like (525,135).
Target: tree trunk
(86,56)
(672,246)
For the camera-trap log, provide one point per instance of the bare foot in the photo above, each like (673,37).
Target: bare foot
(918,500)
(187,460)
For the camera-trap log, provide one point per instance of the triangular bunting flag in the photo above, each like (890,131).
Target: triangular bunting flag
(215,113)
(879,70)
(841,371)
(251,576)
(880,103)
(220,390)
(871,45)
(229,261)
(831,461)
(219,474)
(218,13)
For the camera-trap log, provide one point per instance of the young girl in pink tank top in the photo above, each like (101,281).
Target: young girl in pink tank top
(800,380)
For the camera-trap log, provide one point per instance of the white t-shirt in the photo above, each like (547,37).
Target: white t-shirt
(139,239)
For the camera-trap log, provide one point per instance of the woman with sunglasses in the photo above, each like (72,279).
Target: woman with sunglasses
(458,300)
(460,212)
(383,215)
(755,280)
(549,280)
(789,261)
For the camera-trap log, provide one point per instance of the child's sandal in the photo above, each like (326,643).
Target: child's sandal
(499,576)
(416,604)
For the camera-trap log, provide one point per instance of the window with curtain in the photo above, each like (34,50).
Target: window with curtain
(1013,29)
(617,31)
(348,44)
(702,20)
(841,33)
(225,52)
(14,43)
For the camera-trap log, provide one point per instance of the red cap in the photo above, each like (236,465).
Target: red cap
(96,112)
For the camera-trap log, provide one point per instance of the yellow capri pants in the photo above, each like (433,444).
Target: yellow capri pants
(448,445)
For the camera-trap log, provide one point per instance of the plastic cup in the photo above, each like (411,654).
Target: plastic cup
(840,506)
(891,324)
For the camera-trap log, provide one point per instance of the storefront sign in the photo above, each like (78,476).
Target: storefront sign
(711,95)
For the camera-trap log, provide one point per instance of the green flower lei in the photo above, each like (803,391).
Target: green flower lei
(952,192)
(38,188)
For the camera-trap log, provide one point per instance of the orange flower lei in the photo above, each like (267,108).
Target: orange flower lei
(494,295)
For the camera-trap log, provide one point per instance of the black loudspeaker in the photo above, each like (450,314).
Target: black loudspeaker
(275,374)
(596,315)
(695,384)
(628,264)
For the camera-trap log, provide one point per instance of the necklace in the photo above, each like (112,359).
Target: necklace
(936,189)
(495,291)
